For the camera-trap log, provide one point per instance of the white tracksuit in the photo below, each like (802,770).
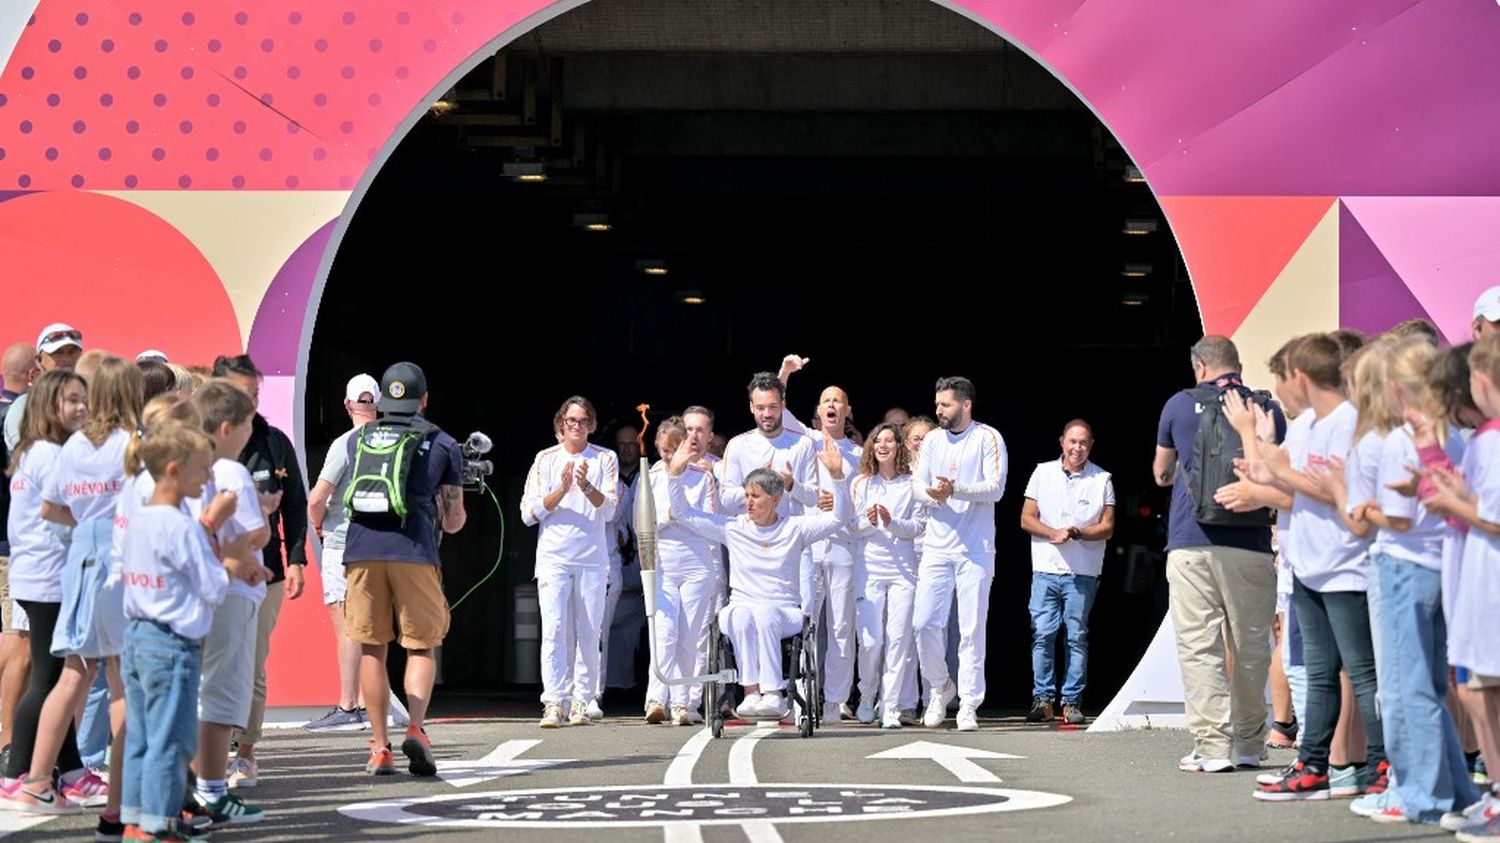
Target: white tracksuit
(888,557)
(571,563)
(768,579)
(837,579)
(690,584)
(751,450)
(958,550)
(616,531)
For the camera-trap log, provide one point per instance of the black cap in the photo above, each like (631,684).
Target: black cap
(401,388)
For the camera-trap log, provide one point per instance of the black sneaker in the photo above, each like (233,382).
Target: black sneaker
(1041,711)
(1301,782)
(418,751)
(109,830)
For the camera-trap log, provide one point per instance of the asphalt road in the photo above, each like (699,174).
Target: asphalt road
(632,782)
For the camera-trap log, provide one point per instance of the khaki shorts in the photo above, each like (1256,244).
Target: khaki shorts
(1482,683)
(409,592)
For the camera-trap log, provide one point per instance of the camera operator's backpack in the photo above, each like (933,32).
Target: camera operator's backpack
(1215,448)
(380,471)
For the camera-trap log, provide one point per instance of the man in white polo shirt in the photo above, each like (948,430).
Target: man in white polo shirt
(1070,513)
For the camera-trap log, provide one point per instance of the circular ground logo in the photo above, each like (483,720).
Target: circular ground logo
(655,805)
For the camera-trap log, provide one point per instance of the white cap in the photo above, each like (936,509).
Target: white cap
(58,335)
(1488,305)
(152,354)
(361,385)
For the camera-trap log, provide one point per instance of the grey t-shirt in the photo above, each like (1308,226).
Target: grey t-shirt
(13,422)
(336,471)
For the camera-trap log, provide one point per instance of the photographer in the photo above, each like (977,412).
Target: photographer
(391,561)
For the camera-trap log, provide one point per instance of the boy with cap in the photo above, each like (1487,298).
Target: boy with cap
(391,568)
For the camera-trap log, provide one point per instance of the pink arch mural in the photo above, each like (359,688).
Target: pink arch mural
(1320,163)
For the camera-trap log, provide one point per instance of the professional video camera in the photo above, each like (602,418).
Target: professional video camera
(475,469)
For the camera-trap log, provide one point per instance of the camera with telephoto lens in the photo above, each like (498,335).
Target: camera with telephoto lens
(475,469)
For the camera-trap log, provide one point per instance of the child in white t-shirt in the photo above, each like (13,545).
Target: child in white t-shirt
(1473,496)
(229,646)
(172,580)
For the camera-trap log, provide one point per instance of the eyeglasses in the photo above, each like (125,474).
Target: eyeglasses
(568,421)
(58,336)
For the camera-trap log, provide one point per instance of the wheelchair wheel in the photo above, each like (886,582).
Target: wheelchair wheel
(803,706)
(814,682)
(712,691)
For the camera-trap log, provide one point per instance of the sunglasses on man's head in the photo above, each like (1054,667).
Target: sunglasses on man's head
(58,336)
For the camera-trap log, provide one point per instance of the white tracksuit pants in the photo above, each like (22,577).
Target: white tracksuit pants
(686,601)
(612,586)
(572,609)
(886,643)
(756,633)
(835,592)
(937,581)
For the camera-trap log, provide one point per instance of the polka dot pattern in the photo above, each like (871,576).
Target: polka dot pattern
(270,95)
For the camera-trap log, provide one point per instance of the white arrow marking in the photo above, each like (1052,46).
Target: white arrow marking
(954,759)
(501,762)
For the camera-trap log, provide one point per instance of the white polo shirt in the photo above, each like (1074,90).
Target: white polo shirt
(1064,500)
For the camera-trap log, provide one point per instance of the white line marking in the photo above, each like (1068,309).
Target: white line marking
(502,761)
(742,771)
(954,759)
(10,823)
(680,771)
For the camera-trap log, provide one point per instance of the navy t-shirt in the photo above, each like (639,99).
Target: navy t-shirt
(1178,427)
(438,463)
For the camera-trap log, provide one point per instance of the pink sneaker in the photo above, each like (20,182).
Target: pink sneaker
(40,798)
(87,791)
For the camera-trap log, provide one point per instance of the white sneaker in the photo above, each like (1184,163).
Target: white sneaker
(866,711)
(1461,820)
(937,707)
(679,716)
(593,712)
(968,719)
(1195,763)
(831,714)
(577,714)
(655,713)
(749,709)
(772,706)
(552,716)
(694,718)
(891,719)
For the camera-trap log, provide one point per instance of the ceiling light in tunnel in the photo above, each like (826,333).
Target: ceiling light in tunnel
(1134,299)
(592,222)
(1133,174)
(651,266)
(1136,270)
(524,171)
(1139,226)
(691,297)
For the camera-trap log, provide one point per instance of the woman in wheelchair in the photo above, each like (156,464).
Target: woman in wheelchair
(768,581)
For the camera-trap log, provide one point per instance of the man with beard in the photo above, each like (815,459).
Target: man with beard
(960,474)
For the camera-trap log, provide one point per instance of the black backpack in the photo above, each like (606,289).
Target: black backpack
(380,469)
(1215,448)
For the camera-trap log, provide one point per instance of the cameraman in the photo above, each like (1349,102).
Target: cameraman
(392,568)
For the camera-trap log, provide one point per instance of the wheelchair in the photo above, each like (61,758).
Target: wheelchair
(799,666)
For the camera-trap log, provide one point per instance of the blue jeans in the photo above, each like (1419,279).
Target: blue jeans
(93,726)
(160,669)
(1058,600)
(1432,776)
(1336,634)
